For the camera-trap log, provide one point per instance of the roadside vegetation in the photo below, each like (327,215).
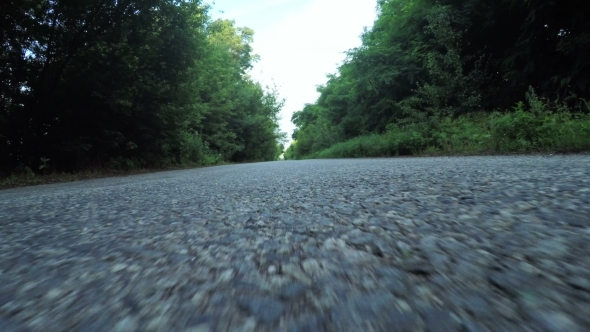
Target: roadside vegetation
(109,87)
(519,131)
(456,77)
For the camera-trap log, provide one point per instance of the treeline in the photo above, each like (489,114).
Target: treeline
(128,84)
(454,75)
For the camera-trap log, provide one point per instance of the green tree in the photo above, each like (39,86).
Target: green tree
(424,60)
(127,84)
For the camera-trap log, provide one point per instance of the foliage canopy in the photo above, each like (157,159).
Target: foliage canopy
(428,60)
(128,83)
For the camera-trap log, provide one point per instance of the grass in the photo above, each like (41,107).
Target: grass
(28,178)
(520,131)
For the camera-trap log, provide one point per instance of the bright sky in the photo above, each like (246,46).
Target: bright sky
(299,42)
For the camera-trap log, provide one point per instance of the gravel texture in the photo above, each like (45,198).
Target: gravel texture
(411,244)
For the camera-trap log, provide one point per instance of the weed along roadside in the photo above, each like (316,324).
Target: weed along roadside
(536,127)
(26,177)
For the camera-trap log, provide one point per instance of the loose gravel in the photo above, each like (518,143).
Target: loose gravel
(412,244)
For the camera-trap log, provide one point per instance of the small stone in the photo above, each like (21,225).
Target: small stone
(465,217)
(579,283)
(266,309)
(554,248)
(334,244)
(165,283)
(362,308)
(306,323)
(467,270)
(199,328)
(359,221)
(284,250)
(528,268)
(324,300)
(134,268)
(118,267)
(506,308)
(511,282)
(277,281)
(445,200)
(159,323)
(272,269)
(198,297)
(403,306)
(401,322)
(295,272)
(249,325)
(92,322)
(126,324)
(226,276)
(373,249)
(404,248)
(53,294)
(9,325)
(555,322)
(473,327)
(574,220)
(440,320)
(477,306)
(439,261)
(311,266)
(292,291)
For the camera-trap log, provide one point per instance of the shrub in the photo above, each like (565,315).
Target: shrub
(522,130)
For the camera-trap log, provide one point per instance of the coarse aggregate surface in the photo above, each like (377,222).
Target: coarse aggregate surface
(407,244)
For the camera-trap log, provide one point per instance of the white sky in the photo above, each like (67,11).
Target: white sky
(299,42)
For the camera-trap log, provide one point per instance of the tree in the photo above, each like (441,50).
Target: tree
(426,59)
(127,83)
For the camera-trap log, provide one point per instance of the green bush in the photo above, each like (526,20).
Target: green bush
(523,130)
(23,172)
(515,131)
(191,149)
(466,134)
(564,132)
(122,163)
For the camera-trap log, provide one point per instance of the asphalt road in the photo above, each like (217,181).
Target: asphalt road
(410,244)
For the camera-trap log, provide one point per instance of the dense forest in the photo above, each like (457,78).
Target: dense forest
(128,84)
(446,76)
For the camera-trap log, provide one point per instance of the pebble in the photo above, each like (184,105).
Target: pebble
(272,269)
(127,324)
(266,309)
(226,276)
(311,266)
(334,244)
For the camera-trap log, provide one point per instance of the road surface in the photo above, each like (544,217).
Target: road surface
(410,244)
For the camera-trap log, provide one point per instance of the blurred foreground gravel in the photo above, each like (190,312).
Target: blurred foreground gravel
(418,244)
